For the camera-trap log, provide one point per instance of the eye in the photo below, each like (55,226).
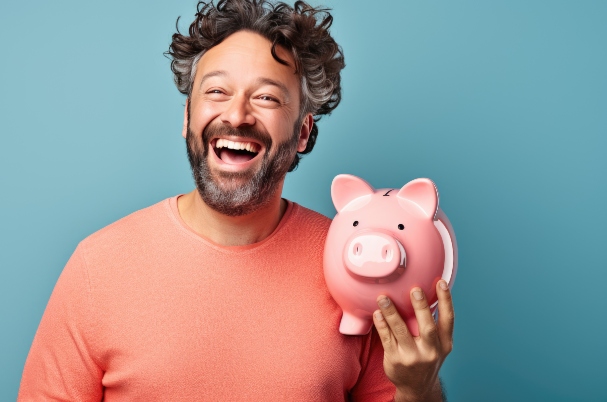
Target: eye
(216,95)
(214,91)
(268,98)
(355,223)
(401,226)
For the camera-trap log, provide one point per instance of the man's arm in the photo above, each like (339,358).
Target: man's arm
(59,365)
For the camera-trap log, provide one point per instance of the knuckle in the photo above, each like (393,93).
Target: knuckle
(448,347)
(432,356)
(385,340)
(407,360)
(401,329)
(430,331)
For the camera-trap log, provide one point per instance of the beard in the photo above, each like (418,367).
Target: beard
(239,193)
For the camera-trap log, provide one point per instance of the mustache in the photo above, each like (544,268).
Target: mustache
(213,131)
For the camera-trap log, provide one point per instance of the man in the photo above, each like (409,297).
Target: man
(219,294)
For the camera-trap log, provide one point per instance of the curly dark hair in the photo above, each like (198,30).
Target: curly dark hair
(302,29)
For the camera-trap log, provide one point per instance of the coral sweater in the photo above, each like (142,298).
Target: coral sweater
(146,309)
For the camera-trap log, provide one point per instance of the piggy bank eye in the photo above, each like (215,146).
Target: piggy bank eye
(401,226)
(355,223)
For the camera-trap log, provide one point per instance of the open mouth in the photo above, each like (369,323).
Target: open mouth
(235,152)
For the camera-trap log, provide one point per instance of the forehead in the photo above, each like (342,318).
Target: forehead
(246,56)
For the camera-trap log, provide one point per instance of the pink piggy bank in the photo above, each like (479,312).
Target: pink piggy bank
(386,242)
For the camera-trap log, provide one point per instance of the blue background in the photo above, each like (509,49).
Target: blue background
(503,104)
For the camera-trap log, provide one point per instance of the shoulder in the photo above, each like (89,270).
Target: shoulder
(310,218)
(130,230)
(309,223)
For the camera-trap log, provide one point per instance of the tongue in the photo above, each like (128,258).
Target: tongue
(234,157)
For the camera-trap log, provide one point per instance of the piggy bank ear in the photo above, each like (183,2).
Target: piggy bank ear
(347,188)
(422,193)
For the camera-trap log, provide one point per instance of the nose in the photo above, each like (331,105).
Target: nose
(238,112)
(374,254)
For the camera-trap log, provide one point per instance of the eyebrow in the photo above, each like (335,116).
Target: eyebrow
(268,81)
(216,73)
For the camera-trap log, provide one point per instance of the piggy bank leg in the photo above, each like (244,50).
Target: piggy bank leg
(354,325)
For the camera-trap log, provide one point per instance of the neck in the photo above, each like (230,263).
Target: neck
(231,230)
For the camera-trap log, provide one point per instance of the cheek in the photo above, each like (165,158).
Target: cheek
(282,126)
(202,114)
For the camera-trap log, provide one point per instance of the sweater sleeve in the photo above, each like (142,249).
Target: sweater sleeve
(373,385)
(60,364)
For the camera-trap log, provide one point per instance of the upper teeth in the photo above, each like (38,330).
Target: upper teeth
(249,146)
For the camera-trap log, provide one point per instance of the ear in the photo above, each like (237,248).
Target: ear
(184,130)
(347,188)
(423,193)
(304,132)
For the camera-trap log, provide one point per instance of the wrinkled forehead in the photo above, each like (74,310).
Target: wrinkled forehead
(245,56)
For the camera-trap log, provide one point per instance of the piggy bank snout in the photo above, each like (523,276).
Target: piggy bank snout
(374,254)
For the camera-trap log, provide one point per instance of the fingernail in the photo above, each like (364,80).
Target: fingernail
(384,302)
(443,285)
(378,315)
(418,295)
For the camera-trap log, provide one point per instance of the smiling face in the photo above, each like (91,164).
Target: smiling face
(242,124)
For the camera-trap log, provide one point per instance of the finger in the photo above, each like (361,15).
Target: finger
(446,316)
(428,330)
(384,332)
(395,322)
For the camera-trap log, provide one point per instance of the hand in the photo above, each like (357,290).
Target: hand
(412,362)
